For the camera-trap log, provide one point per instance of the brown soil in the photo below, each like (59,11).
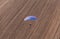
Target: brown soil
(13,26)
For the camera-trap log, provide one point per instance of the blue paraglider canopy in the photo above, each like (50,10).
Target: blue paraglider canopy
(30,18)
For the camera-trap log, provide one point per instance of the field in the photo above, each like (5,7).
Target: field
(13,26)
